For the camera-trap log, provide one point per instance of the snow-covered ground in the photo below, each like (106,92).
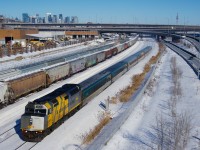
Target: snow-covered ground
(136,131)
(188,46)
(9,118)
(69,134)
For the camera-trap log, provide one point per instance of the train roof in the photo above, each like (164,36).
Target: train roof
(93,79)
(64,89)
(115,67)
(131,58)
(101,74)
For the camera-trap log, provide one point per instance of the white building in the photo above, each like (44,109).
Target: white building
(74,19)
(48,18)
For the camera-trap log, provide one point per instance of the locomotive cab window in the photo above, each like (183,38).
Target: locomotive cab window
(40,111)
(29,110)
(49,111)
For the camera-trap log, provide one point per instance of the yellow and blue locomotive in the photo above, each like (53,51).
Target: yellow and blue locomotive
(46,113)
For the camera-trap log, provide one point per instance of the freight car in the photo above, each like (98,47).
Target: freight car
(120,48)
(57,72)
(12,89)
(43,115)
(17,87)
(91,60)
(101,57)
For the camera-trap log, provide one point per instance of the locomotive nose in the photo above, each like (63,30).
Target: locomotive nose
(32,123)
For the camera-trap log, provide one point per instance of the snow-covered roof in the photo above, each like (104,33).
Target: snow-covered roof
(43,34)
(40,35)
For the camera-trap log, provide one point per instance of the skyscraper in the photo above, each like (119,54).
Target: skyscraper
(67,19)
(60,17)
(33,19)
(37,18)
(48,18)
(25,18)
(54,19)
(74,19)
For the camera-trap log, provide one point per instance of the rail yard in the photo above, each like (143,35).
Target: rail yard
(99,75)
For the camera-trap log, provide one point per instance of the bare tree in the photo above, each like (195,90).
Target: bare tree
(171,133)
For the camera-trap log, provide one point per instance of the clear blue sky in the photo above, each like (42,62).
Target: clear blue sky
(110,11)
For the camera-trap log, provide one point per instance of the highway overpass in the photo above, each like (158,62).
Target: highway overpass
(103,26)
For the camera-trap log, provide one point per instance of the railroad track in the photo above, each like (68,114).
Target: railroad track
(12,136)
(9,133)
(26,146)
(20,144)
(190,58)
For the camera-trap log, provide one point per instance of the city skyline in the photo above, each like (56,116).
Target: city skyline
(118,11)
(48,18)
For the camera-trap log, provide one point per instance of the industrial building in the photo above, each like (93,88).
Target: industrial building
(7,35)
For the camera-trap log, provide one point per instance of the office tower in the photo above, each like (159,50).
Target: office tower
(54,19)
(48,18)
(60,17)
(25,18)
(67,19)
(74,19)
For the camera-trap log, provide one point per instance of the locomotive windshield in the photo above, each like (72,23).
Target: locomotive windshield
(35,111)
(29,110)
(40,111)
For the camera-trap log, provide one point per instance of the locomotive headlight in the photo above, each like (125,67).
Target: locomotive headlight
(30,121)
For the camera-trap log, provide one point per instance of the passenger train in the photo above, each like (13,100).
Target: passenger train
(43,115)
